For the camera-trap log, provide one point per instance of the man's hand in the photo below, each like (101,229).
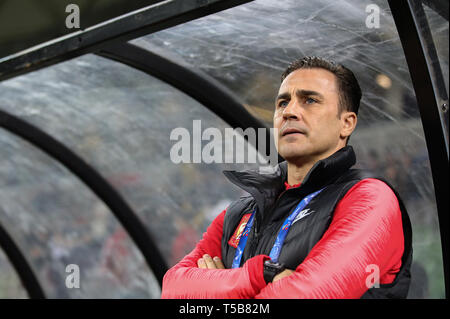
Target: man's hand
(284,273)
(206,262)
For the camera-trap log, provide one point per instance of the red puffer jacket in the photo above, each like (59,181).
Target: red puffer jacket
(366,229)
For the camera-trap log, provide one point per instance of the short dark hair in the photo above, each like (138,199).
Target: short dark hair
(349,89)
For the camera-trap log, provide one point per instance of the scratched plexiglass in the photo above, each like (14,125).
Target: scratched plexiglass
(119,121)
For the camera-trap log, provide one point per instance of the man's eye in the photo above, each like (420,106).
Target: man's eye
(283,103)
(310,100)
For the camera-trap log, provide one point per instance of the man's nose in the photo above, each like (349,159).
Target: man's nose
(292,110)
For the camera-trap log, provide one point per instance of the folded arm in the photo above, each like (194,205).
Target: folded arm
(189,279)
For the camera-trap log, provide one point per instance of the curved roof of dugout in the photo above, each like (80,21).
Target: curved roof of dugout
(226,56)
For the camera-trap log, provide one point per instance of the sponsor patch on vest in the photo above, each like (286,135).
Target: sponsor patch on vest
(234,240)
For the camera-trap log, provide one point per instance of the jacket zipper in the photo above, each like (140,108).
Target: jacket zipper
(255,240)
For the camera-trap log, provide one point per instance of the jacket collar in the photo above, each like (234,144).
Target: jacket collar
(265,188)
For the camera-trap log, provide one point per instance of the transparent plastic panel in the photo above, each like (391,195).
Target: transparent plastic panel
(10,285)
(74,244)
(120,121)
(248,47)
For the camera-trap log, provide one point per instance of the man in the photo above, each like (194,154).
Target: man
(315,228)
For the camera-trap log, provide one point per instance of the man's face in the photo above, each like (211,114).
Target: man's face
(306,115)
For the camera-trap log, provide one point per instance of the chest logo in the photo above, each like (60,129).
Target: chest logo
(234,240)
(302,214)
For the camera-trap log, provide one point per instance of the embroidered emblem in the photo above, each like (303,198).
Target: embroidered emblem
(234,240)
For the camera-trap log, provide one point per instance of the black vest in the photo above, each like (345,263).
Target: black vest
(273,203)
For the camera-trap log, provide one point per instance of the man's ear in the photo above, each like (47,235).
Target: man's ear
(348,121)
